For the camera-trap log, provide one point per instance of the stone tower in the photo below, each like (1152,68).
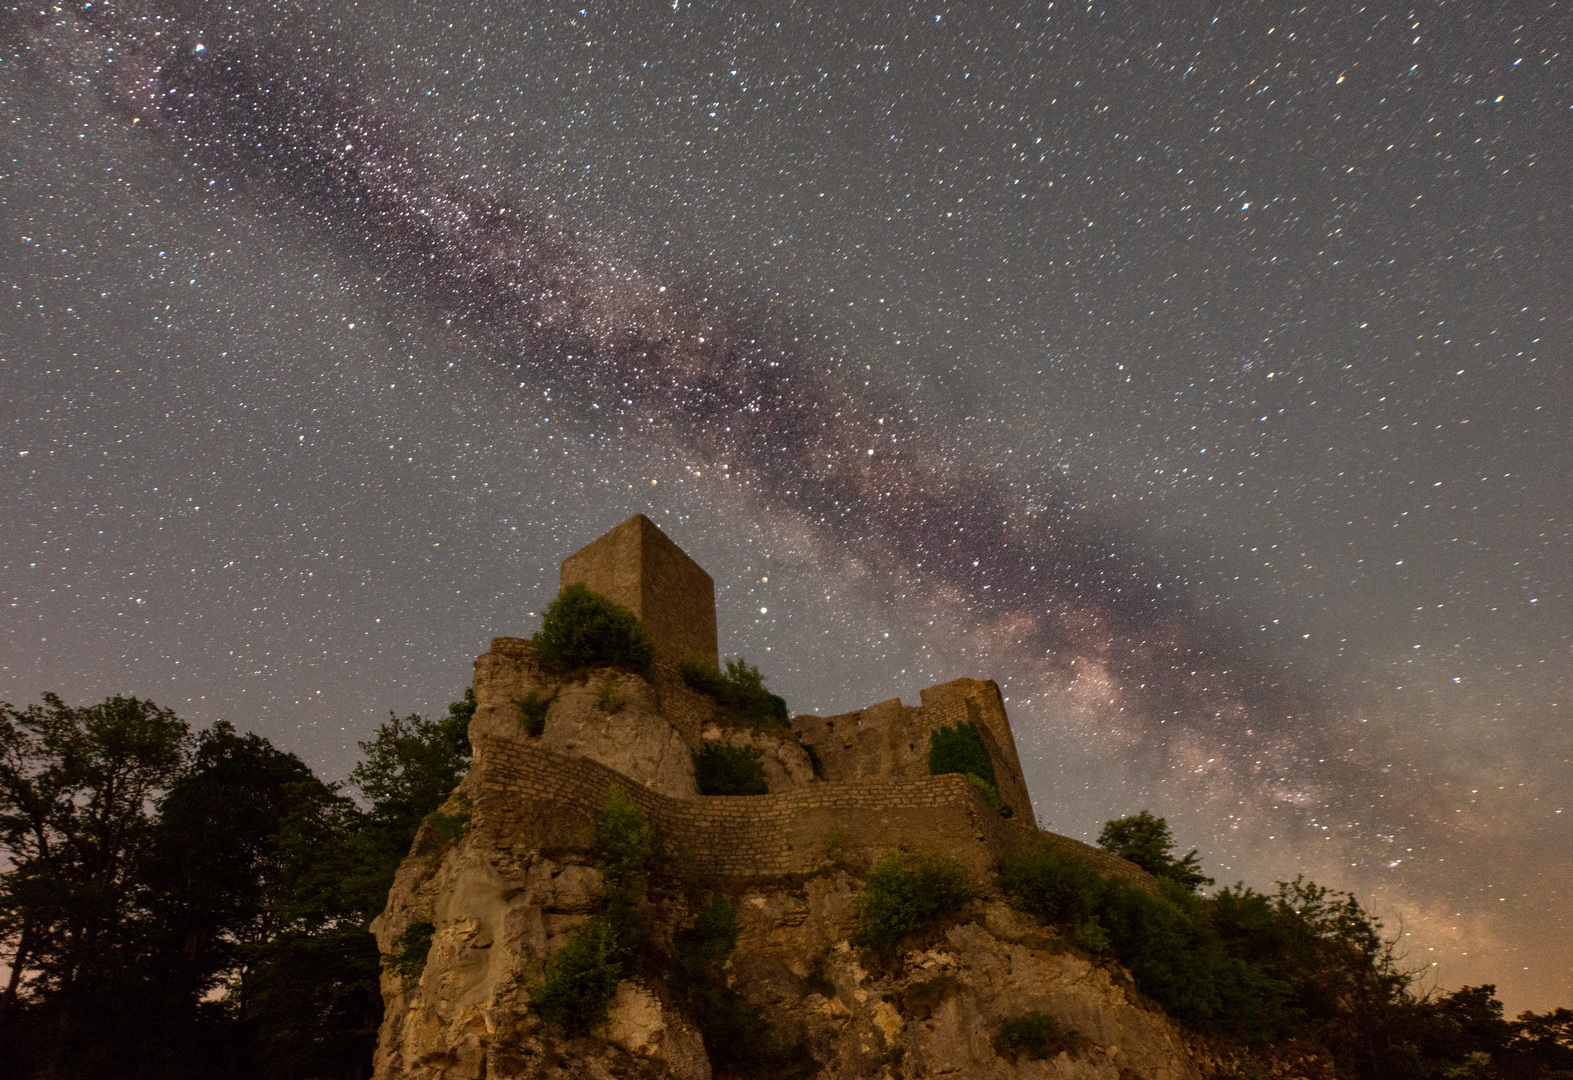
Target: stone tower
(637,566)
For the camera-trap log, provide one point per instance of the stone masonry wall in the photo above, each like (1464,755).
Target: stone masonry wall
(638,566)
(545,799)
(891,740)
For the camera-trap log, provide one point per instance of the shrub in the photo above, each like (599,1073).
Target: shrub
(584,629)
(627,842)
(1034,1034)
(960,749)
(720,769)
(990,795)
(532,712)
(609,696)
(701,674)
(1091,936)
(581,978)
(1163,936)
(896,901)
(739,690)
(449,826)
(411,949)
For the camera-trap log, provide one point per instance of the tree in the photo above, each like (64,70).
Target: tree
(1145,840)
(213,860)
(76,790)
(316,1002)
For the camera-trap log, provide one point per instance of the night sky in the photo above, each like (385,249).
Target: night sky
(1203,374)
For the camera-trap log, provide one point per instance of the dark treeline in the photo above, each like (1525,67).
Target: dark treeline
(189,904)
(1300,980)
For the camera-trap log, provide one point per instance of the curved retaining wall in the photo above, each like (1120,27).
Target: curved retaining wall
(547,799)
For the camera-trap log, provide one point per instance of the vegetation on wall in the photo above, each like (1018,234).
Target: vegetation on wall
(532,712)
(583,629)
(720,769)
(960,749)
(739,692)
(582,976)
(1033,1035)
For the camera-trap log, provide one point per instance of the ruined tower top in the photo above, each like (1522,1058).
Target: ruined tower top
(637,566)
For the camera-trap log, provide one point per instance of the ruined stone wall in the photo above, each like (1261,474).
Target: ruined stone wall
(546,800)
(638,566)
(891,740)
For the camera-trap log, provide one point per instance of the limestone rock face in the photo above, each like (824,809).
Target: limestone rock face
(498,913)
(635,739)
(786,763)
(613,717)
(935,1011)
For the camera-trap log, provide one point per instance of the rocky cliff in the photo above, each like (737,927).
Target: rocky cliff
(520,879)
(510,872)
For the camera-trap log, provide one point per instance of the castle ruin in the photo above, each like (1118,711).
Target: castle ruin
(872,785)
(501,900)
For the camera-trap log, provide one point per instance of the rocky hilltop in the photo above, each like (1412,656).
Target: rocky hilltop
(510,871)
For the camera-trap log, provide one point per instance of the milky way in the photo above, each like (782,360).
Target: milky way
(956,489)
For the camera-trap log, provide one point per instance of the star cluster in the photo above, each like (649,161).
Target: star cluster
(1203,378)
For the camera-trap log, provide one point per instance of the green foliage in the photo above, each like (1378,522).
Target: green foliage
(1090,935)
(739,691)
(583,629)
(990,795)
(720,769)
(737,1036)
(456,727)
(581,978)
(897,900)
(448,825)
(532,712)
(1033,1034)
(627,842)
(1163,937)
(960,749)
(1145,841)
(609,696)
(410,768)
(77,787)
(411,949)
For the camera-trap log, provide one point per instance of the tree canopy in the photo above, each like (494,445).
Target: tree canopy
(178,904)
(1145,841)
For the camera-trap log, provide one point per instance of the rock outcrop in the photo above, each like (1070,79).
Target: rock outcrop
(497,901)
(499,912)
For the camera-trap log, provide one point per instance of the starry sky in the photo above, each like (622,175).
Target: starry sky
(1200,373)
